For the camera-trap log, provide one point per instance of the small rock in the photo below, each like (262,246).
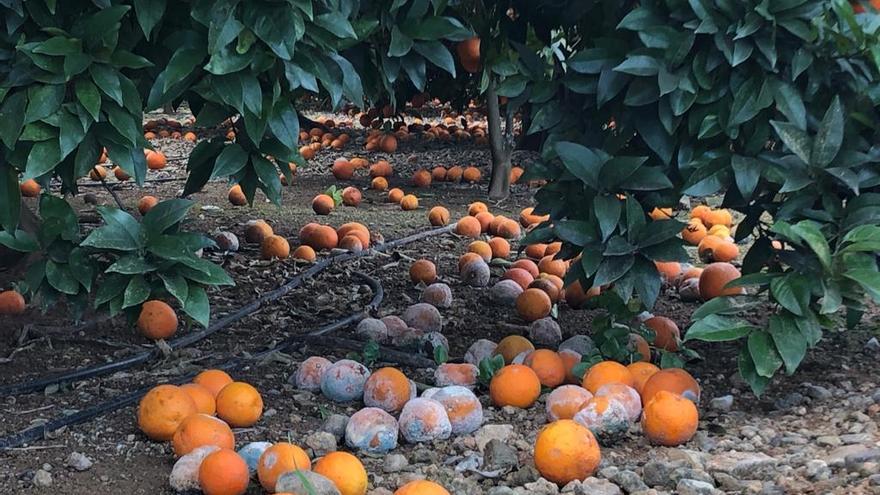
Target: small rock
(629,481)
(479,350)
(302,481)
(817,470)
(594,486)
(545,332)
(498,455)
(541,487)
(321,443)
(857,453)
(866,455)
(335,425)
(685,473)
(78,461)
(42,478)
(488,433)
(723,403)
(394,463)
(657,473)
(872,345)
(829,441)
(853,438)
(818,392)
(501,490)
(523,475)
(743,465)
(581,344)
(694,487)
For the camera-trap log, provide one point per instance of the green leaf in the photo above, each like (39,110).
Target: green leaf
(810,233)
(718,328)
(108,80)
(749,373)
(176,285)
(612,268)
(337,24)
(790,342)
(659,231)
(788,292)
(271,183)
(437,54)
(230,161)
(197,305)
(43,158)
(790,103)
(136,292)
(647,281)
(12,117)
(639,65)
(43,101)
(88,95)
(746,171)
(868,279)
(635,218)
(211,274)
(59,46)
(795,139)
(284,124)
(149,13)
(400,43)
(81,268)
(165,215)
(582,162)
(71,133)
(763,352)
(59,276)
(829,138)
(10,198)
(607,210)
(575,231)
(110,287)
(22,241)
(131,265)
(121,232)
(181,65)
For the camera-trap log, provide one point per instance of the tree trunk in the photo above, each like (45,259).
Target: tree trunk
(501,144)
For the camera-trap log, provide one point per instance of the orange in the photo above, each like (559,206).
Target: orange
(469,54)
(718,217)
(342,169)
(694,232)
(641,372)
(715,277)
(395,195)
(508,229)
(566,401)
(485,218)
(515,385)
(438,174)
(533,304)
(638,344)
(714,248)
(388,389)
(274,246)
(666,333)
(345,471)
(481,248)
(157,320)
(305,253)
(701,212)
(155,160)
(388,143)
(409,202)
(121,175)
(512,346)
(279,459)
(500,247)
(548,366)
(438,216)
(356,229)
(11,303)
(236,196)
(453,174)
(190,136)
(239,404)
(257,230)
(575,295)
(477,207)
(323,204)
(607,372)
(669,419)
(381,169)
(660,214)
(670,271)
(203,397)
(467,258)
(675,380)
(98,173)
(223,472)
(201,429)
(351,196)
(213,380)
(527,217)
(379,184)
(552,266)
(566,451)
(519,275)
(421,178)
(421,487)
(469,227)
(162,410)
(146,204)
(528,265)
(30,188)
(570,359)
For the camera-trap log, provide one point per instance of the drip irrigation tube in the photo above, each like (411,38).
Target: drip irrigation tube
(36,433)
(186,340)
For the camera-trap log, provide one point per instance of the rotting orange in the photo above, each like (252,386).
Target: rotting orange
(533,304)
(279,459)
(423,271)
(675,380)
(162,410)
(512,346)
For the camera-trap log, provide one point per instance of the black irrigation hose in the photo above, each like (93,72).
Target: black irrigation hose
(36,433)
(186,340)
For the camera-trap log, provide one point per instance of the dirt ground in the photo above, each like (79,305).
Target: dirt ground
(125,461)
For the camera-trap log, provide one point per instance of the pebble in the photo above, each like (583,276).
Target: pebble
(872,345)
(743,465)
(501,490)
(42,478)
(629,481)
(581,344)
(817,470)
(498,455)
(592,486)
(335,425)
(829,441)
(817,392)
(838,456)
(78,461)
(541,487)
(314,484)
(394,463)
(321,443)
(657,473)
(790,401)
(856,438)
(694,487)
(488,433)
(723,403)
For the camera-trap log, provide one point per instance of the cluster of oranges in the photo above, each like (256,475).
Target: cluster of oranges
(313,237)
(317,139)
(170,128)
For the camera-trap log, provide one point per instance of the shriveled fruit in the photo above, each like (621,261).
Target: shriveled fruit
(607,372)
(463,408)
(626,395)
(309,373)
(463,374)
(515,385)
(239,404)
(424,420)
(257,230)
(157,320)
(566,451)
(606,417)
(279,459)
(12,303)
(675,380)
(475,273)
(223,472)
(714,279)
(669,419)
(198,430)
(344,381)
(372,430)
(423,271)
(565,401)
(381,169)
(438,295)
(162,410)
(438,216)
(388,389)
